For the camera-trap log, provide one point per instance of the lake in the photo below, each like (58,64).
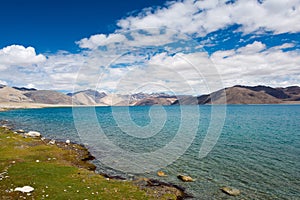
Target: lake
(255,148)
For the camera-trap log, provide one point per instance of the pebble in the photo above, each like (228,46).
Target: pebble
(24,189)
(231,191)
(185,178)
(33,134)
(161,173)
(52,142)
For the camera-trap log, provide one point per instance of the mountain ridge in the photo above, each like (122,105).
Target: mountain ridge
(238,94)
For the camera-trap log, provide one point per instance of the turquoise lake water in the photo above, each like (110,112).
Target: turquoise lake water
(257,150)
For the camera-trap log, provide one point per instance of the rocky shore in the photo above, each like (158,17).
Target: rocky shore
(78,156)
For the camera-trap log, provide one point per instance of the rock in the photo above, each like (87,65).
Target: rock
(7,127)
(25,189)
(68,141)
(231,191)
(52,142)
(185,178)
(161,173)
(33,134)
(20,131)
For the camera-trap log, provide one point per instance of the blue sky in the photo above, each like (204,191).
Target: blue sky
(183,47)
(52,25)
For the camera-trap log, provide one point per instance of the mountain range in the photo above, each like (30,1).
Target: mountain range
(232,95)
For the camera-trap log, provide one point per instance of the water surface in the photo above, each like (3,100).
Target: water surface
(257,151)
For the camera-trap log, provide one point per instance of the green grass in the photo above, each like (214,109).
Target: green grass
(56,175)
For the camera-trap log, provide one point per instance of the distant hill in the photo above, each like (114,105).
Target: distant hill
(92,97)
(8,94)
(49,97)
(31,95)
(88,97)
(155,101)
(247,95)
(232,95)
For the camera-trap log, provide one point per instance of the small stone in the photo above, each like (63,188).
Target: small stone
(52,142)
(24,189)
(185,178)
(231,191)
(161,173)
(33,134)
(20,131)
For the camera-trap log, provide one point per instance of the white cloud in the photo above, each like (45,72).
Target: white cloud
(253,48)
(249,66)
(95,41)
(3,82)
(30,85)
(284,46)
(202,17)
(19,55)
(187,72)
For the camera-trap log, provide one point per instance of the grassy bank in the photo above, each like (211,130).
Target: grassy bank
(59,172)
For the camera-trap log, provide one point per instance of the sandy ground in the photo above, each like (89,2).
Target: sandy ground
(13,105)
(16,105)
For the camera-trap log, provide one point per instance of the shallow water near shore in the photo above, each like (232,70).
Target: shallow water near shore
(257,151)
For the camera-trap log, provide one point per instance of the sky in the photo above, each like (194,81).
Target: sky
(180,47)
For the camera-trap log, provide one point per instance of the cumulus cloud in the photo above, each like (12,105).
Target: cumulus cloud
(19,55)
(95,41)
(202,17)
(3,82)
(250,65)
(199,18)
(160,49)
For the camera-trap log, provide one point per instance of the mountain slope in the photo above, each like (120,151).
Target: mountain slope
(240,95)
(49,97)
(88,97)
(155,101)
(8,94)
(247,95)
(233,95)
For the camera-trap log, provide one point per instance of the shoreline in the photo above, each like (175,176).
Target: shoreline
(16,105)
(83,158)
